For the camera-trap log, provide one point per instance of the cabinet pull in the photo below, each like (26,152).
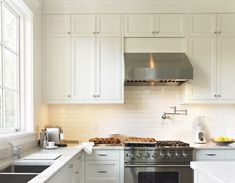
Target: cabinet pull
(153,32)
(69,96)
(94,96)
(215,95)
(156,32)
(219,95)
(97,95)
(94,32)
(102,154)
(97,32)
(100,171)
(219,32)
(69,32)
(210,154)
(77,172)
(215,32)
(71,166)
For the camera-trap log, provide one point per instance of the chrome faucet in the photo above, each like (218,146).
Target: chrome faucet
(16,151)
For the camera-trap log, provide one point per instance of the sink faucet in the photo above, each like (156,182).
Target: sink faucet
(16,151)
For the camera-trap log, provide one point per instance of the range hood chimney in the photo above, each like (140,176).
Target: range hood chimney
(157,69)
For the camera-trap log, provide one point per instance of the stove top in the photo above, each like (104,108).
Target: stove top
(162,144)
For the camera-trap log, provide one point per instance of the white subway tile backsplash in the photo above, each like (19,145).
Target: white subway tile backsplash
(141,116)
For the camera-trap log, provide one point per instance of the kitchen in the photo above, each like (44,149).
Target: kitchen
(79,66)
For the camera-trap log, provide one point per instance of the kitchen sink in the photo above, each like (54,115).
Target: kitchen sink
(24,169)
(16,177)
(20,173)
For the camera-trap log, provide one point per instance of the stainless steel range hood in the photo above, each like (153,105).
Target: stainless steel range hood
(157,68)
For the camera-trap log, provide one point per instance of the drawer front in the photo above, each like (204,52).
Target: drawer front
(102,171)
(209,155)
(229,155)
(103,155)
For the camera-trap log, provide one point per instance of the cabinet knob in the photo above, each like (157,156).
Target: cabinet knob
(69,32)
(215,32)
(215,95)
(94,96)
(153,32)
(69,96)
(77,172)
(94,32)
(219,32)
(97,95)
(157,32)
(219,95)
(97,32)
(71,166)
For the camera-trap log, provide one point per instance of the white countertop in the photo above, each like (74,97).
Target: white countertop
(221,171)
(212,145)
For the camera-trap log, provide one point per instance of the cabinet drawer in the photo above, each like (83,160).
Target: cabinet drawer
(102,171)
(103,155)
(208,155)
(229,155)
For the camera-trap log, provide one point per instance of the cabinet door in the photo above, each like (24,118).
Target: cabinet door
(83,25)
(170,25)
(226,24)
(202,53)
(109,69)
(57,24)
(57,68)
(109,25)
(139,25)
(202,24)
(226,65)
(83,68)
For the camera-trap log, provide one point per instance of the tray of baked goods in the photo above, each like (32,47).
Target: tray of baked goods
(109,141)
(139,141)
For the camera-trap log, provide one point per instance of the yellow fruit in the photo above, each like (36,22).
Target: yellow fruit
(223,139)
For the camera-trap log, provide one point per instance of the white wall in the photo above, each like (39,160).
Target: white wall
(145,6)
(40,109)
(141,116)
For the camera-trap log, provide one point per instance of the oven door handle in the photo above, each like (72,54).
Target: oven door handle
(139,165)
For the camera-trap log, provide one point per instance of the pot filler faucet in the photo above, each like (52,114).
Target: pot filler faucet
(175,112)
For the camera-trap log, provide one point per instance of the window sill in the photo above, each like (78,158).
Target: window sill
(15,135)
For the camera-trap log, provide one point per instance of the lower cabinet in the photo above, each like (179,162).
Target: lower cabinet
(215,155)
(71,172)
(104,166)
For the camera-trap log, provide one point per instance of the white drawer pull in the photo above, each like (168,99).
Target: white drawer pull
(100,171)
(102,154)
(211,154)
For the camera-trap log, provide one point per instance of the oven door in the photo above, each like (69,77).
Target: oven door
(158,174)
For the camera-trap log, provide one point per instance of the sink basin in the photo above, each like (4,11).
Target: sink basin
(24,169)
(20,173)
(16,177)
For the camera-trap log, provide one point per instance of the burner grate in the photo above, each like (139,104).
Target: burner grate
(173,143)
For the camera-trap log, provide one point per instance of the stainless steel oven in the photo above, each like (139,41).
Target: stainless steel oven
(158,174)
(163,162)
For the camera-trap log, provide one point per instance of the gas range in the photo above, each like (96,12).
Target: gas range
(173,152)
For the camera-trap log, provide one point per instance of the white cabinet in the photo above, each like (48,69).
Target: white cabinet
(211,54)
(154,25)
(139,25)
(84,64)
(71,172)
(97,61)
(215,155)
(202,24)
(104,166)
(57,58)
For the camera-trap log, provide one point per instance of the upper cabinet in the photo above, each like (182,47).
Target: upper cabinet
(155,25)
(84,62)
(211,43)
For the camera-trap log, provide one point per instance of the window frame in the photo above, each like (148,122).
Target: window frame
(25,68)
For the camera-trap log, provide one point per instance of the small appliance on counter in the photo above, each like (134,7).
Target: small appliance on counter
(55,134)
(199,130)
(43,138)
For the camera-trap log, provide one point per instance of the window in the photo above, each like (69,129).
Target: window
(15,66)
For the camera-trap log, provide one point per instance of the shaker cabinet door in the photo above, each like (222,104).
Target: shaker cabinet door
(109,69)
(170,25)
(83,68)
(202,24)
(139,25)
(226,24)
(57,69)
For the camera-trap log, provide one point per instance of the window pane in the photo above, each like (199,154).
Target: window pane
(10,70)
(0,65)
(10,29)
(10,109)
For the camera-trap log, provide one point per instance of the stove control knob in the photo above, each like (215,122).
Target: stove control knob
(169,154)
(177,154)
(138,155)
(147,155)
(154,155)
(162,155)
(131,156)
(185,155)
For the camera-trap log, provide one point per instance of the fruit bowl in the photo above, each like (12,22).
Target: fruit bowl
(223,143)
